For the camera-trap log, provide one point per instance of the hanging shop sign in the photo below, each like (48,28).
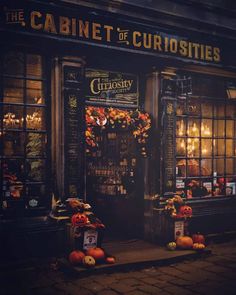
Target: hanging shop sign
(91,27)
(111,88)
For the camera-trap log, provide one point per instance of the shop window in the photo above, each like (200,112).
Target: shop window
(206,146)
(23,131)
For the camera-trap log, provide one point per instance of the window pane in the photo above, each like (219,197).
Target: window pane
(180,109)
(193,147)
(229,128)
(35,194)
(194,108)
(207,110)
(12,117)
(13,63)
(13,144)
(181,168)
(206,128)
(180,127)
(230,168)
(35,118)
(34,92)
(230,111)
(35,170)
(219,110)
(219,128)
(206,167)
(35,145)
(34,65)
(219,147)
(206,147)
(193,168)
(13,90)
(229,147)
(219,166)
(193,127)
(13,174)
(180,147)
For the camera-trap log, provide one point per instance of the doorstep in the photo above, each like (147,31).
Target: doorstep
(133,254)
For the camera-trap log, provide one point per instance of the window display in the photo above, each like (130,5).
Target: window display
(206,147)
(23,134)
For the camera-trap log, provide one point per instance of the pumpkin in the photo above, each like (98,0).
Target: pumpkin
(198,246)
(76,257)
(171,246)
(185,211)
(184,242)
(89,261)
(79,219)
(110,260)
(97,253)
(198,238)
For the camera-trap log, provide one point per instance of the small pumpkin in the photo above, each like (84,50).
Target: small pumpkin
(79,219)
(89,261)
(76,257)
(185,211)
(184,242)
(110,260)
(97,253)
(198,246)
(198,238)
(171,246)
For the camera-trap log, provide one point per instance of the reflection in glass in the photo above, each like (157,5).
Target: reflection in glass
(13,90)
(219,128)
(180,109)
(194,107)
(35,194)
(34,92)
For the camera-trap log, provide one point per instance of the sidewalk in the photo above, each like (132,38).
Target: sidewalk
(134,254)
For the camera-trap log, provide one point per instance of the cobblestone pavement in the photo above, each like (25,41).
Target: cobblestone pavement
(214,274)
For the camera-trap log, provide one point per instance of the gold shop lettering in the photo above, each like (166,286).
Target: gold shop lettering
(97,86)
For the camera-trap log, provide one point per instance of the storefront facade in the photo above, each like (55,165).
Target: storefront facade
(63,63)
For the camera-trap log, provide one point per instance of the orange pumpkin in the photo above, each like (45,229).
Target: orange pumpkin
(76,257)
(110,260)
(185,211)
(97,253)
(198,238)
(184,242)
(79,219)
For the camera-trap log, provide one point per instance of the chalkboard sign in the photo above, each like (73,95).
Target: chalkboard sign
(111,88)
(72,101)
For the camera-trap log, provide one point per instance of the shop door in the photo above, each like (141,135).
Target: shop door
(114,183)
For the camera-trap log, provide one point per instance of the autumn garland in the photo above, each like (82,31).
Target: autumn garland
(138,122)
